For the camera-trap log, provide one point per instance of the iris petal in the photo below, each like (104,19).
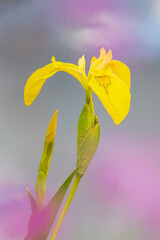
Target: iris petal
(82,63)
(38,78)
(36,81)
(121,71)
(110,80)
(93,60)
(114,95)
(100,62)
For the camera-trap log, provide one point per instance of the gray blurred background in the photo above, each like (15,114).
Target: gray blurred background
(119,197)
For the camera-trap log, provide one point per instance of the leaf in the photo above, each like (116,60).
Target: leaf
(40,224)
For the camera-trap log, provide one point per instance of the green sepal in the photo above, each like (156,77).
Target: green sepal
(85,122)
(88,136)
(40,223)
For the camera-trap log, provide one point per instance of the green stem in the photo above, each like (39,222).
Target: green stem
(88,95)
(66,206)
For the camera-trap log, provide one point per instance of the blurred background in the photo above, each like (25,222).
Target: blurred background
(119,197)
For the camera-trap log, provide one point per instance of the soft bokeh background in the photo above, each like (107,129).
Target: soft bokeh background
(119,197)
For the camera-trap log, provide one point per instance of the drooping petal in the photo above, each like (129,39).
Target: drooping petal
(36,81)
(110,80)
(71,69)
(120,70)
(38,78)
(114,95)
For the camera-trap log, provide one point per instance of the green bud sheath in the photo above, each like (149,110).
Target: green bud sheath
(41,190)
(88,137)
(40,187)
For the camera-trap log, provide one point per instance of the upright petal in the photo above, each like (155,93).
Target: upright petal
(38,78)
(100,62)
(93,60)
(82,63)
(107,57)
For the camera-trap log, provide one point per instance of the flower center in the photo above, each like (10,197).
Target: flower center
(103,81)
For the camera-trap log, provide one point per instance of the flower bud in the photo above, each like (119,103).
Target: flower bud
(87,137)
(45,162)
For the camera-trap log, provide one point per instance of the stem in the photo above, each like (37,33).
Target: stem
(88,95)
(66,206)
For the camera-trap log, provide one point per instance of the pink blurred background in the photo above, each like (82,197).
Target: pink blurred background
(119,197)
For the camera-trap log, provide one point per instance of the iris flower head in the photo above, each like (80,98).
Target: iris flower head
(108,79)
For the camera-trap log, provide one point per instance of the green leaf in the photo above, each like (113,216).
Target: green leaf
(40,224)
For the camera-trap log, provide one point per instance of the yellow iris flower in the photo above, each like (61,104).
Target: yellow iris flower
(109,79)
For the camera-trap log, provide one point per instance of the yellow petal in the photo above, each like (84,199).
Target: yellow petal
(36,81)
(114,95)
(71,69)
(105,56)
(120,70)
(93,60)
(38,78)
(101,62)
(109,55)
(81,63)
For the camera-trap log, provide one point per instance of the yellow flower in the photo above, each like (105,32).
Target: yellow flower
(109,79)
